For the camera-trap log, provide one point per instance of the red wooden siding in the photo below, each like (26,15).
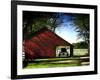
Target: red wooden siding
(43,44)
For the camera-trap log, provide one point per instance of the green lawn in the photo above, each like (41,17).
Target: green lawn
(54,62)
(49,65)
(59,62)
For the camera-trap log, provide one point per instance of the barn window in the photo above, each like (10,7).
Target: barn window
(62,51)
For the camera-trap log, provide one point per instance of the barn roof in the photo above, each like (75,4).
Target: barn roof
(43,42)
(46,31)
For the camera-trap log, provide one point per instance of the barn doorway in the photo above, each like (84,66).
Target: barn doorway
(62,51)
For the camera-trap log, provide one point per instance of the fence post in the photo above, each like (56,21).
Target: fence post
(71,51)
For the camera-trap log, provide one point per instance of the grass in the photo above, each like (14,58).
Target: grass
(58,62)
(52,63)
(49,65)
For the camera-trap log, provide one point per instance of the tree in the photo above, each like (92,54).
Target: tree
(34,21)
(80,45)
(81,22)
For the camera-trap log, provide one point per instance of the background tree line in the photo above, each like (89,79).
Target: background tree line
(80,45)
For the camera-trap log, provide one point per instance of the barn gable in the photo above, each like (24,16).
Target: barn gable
(43,44)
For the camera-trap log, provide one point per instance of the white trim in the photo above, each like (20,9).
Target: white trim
(21,71)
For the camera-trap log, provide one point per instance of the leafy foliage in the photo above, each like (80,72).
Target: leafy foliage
(81,23)
(34,21)
(80,45)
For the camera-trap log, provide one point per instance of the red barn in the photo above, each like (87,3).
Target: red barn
(43,44)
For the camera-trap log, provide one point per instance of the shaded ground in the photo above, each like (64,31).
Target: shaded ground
(58,62)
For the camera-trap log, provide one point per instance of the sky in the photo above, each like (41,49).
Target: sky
(67,34)
(63,29)
(67,31)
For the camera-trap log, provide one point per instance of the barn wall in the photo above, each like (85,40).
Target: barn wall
(43,45)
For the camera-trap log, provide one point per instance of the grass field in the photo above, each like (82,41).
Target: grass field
(60,62)
(49,65)
(53,62)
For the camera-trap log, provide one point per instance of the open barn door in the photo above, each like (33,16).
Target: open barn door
(62,51)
